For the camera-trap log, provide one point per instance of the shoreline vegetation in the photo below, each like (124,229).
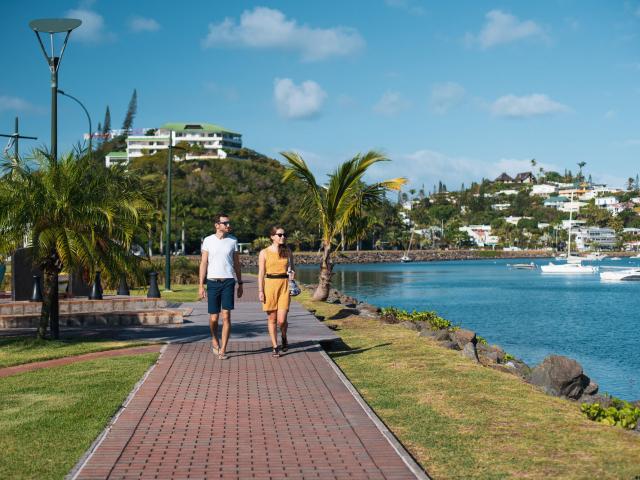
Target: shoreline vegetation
(556,375)
(460,419)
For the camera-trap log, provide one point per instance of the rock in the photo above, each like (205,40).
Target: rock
(449,344)
(410,325)
(442,335)
(560,376)
(469,351)
(423,326)
(389,319)
(591,389)
(491,354)
(462,337)
(427,333)
(367,310)
(519,368)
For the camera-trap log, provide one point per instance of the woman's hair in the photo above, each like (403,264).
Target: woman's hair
(283,248)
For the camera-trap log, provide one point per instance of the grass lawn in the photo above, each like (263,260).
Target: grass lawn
(178,293)
(50,417)
(461,420)
(19,350)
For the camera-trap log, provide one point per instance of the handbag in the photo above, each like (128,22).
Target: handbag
(294,289)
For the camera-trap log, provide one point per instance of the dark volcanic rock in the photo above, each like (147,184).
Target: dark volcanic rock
(427,332)
(462,337)
(469,351)
(450,345)
(560,376)
(442,335)
(410,325)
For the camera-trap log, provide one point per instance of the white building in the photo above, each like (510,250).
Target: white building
(115,158)
(543,190)
(605,201)
(507,192)
(481,235)
(571,206)
(566,224)
(500,206)
(514,220)
(209,141)
(595,237)
(616,208)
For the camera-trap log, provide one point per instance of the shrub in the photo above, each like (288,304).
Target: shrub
(620,413)
(435,321)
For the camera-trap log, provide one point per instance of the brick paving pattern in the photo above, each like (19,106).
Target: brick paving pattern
(250,416)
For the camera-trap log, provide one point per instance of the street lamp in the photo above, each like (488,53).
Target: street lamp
(53,26)
(167,253)
(61,92)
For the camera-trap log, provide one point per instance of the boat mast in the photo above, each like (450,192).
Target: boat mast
(570,225)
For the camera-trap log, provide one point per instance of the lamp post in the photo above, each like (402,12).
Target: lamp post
(61,92)
(53,26)
(167,253)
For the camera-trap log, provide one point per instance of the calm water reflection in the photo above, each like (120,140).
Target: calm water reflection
(529,314)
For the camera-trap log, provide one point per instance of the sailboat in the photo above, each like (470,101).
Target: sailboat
(574,264)
(406,258)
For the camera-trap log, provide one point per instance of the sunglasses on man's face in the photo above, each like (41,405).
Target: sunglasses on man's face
(281,235)
(226,224)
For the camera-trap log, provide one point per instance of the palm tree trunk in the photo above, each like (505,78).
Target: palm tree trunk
(324,283)
(49,316)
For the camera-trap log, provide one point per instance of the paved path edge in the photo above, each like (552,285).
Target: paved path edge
(407,458)
(100,438)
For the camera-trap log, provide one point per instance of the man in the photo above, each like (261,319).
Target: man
(220,266)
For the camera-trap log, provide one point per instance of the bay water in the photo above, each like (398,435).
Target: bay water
(527,313)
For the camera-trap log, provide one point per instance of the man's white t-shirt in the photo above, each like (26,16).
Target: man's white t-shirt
(220,260)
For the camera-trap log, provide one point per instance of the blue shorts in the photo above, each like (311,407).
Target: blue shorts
(220,294)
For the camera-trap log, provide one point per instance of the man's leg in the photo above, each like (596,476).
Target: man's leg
(213,326)
(226,329)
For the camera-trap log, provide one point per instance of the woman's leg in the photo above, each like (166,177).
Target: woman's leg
(282,323)
(271,325)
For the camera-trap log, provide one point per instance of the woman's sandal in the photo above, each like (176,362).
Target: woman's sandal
(215,349)
(285,344)
(222,355)
(275,352)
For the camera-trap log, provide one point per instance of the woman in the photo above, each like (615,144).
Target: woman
(275,268)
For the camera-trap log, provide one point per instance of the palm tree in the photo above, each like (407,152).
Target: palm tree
(580,165)
(77,216)
(335,205)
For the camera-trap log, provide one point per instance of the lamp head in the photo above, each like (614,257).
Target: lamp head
(54,25)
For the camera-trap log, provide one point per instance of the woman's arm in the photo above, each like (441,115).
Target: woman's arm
(292,268)
(261,271)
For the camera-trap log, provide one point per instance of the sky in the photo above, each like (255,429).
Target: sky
(449,91)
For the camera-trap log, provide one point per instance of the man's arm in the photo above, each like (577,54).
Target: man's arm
(204,260)
(238,270)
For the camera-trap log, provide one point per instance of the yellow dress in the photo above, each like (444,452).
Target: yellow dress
(276,290)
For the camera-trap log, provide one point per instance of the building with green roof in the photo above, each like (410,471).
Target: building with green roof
(210,141)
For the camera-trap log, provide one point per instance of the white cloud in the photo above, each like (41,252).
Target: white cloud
(391,104)
(501,28)
(263,28)
(445,96)
(410,6)
(16,104)
(93,29)
(298,101)
(610,115)
(142,24)
(526,106)
(632,142)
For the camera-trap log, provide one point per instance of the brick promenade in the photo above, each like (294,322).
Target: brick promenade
(251,416)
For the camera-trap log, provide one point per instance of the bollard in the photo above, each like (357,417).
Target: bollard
(123,288)
(153,292)
(96,288)
(36,293)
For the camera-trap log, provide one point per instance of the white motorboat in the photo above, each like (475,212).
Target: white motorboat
(621,275)
(615,258)
(568,268)
(524,266)
(595,256)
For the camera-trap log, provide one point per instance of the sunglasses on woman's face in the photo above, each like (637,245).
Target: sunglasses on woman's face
(281,235)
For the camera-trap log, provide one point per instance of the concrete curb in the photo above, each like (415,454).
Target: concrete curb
(409,461)
(73,474)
